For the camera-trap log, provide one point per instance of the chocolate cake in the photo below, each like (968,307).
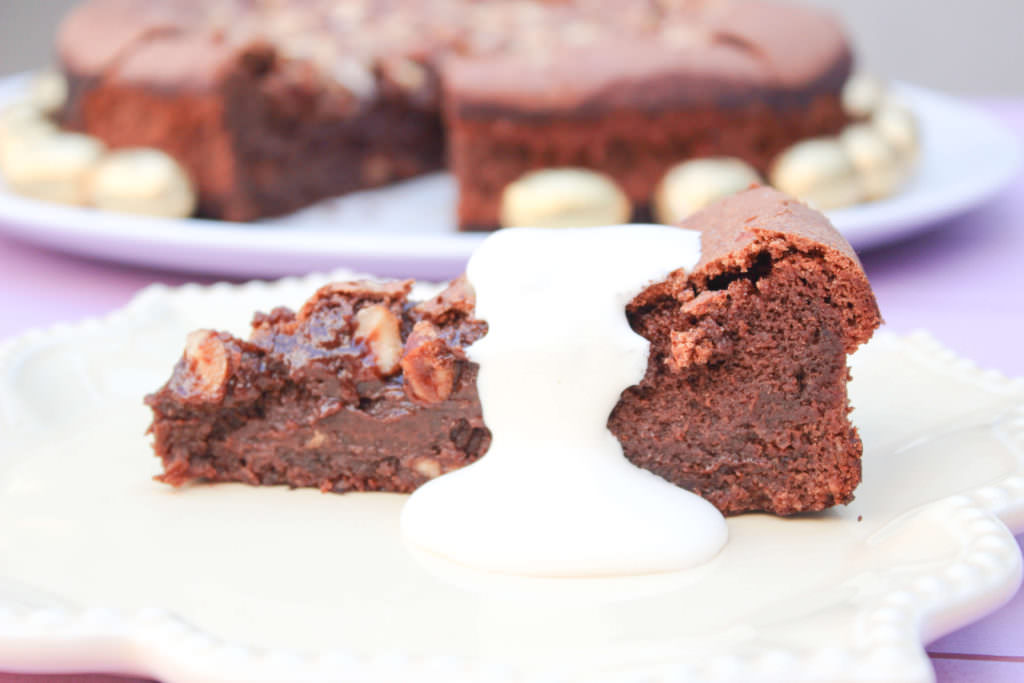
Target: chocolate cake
(274,105)
(744,399)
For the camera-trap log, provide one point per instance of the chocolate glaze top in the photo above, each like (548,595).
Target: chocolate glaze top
(533,55)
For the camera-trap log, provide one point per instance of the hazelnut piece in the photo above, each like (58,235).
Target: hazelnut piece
(898,125)
(22,121)
(143,181)
(428,467)
(876,161)
(48,92)
(692,185)
(378,328)
(564,198)
(50,167)
(207,359)
(428,365)
(862,94)
(820,172)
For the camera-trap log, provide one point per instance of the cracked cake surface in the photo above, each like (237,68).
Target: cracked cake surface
(744,399)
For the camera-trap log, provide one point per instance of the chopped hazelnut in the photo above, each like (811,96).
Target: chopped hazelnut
(818,171)
(862,95)
(880,167)
(141,180)
(207,359)
(428,365)
(564,198)
(428,467)
(52,167)
(48,92)
(317,440)
(458,298)
(691,185)
(898,125)
(378,327)
(354,76)
(20,121)
(407,74)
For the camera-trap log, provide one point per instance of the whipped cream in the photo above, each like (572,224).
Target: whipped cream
(554,495)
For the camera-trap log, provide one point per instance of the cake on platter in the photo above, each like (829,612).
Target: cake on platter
(743,400)
(268,107)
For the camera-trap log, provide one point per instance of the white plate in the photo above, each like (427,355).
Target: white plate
(102,569)
(407,230)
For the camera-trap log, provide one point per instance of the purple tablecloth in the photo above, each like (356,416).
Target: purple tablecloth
(963,281)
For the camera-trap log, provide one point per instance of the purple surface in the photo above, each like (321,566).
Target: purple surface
(963,281)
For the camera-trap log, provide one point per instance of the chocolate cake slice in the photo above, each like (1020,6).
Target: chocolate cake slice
(744,400)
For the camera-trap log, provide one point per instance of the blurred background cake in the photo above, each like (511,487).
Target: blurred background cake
(272,106)
(269,107)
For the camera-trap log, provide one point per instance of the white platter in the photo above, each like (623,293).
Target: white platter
(407,230)
(102,569)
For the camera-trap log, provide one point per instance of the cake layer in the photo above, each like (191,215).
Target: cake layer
(272,106)
(744,399)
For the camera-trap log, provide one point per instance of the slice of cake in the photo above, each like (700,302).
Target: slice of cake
(744,400)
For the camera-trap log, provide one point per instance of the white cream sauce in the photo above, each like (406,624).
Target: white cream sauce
(554,495)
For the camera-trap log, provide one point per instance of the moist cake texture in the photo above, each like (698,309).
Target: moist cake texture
(743,402)
(313,399)
(274,105)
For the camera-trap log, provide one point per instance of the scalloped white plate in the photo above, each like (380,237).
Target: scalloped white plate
(102,569)
(408,230)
